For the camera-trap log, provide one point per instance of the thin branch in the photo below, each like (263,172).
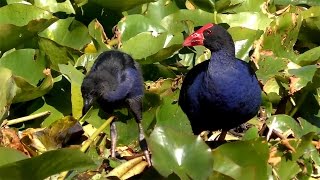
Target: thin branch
(27,118)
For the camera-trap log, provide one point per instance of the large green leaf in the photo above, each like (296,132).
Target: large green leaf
(237,159)
(135,24)
(47,164)
(161,8)
(283,123)
(16,31)
(76,78)
(244,39)
(181,153)
(31,79)
(55,6)
(309,57)
(281,35)
(68,32)
(146,44)
(7,91)
(97,33)
(25,63)
(176,22)
(270,66)
(294,2)
(10,155)
(250,20)
(303,76)
(170,114)
(56,53)
(121,5)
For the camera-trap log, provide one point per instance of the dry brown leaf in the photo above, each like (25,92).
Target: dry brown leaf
(273,159)
(293,81)
(9,138)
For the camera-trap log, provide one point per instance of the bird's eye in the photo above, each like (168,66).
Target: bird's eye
(208,31)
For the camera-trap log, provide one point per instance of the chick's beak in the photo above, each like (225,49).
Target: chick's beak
(88,101)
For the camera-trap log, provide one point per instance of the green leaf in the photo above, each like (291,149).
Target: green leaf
(33,66)
(237,6)
(10,155)
(282,34)
(250,20)
(56,53)
(174,44)
(309,57)
(7,91)
(252,133)
(287,169)
(121,5)
(68,32)
(55,6)
(161,8)
(12,13)
(236,159)
(16,31)
(76,78)
(57,101)
(270,66)
(170,114)
(244,39)
(155,71)
(47,164)
(176,152)
(176,22)
(145,44)
(304,75)
(135,24)
(27,92)
(96,31)
(294,2)
(30,78)
(283,123)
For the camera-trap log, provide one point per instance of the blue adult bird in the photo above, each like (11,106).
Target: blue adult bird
(115,81)
(223,92)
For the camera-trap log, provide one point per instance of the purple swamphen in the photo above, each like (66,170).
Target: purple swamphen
(220,93)
(115,81)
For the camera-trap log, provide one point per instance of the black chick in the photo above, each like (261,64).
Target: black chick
(115,81)
(220,93)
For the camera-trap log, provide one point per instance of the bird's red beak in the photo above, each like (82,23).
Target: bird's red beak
(196,38)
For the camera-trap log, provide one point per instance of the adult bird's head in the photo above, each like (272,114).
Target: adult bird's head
(213,37)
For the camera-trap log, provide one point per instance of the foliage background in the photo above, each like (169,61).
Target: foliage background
(46,47)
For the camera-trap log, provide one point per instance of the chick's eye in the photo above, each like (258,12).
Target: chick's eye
(208,31)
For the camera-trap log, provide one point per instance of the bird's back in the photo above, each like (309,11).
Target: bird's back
(115,77)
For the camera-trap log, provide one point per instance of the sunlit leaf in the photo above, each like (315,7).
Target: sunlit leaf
(236,159)
(176,152)
(67,32)
(55,6)
(121,5)
(16,31)
(7,91)
(76,78)
(284,123)
(135,24)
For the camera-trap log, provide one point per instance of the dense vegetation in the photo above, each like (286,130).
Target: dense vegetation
(46,48)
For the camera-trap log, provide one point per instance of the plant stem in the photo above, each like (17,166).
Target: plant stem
(299,103)
(27,118)
(86,145)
